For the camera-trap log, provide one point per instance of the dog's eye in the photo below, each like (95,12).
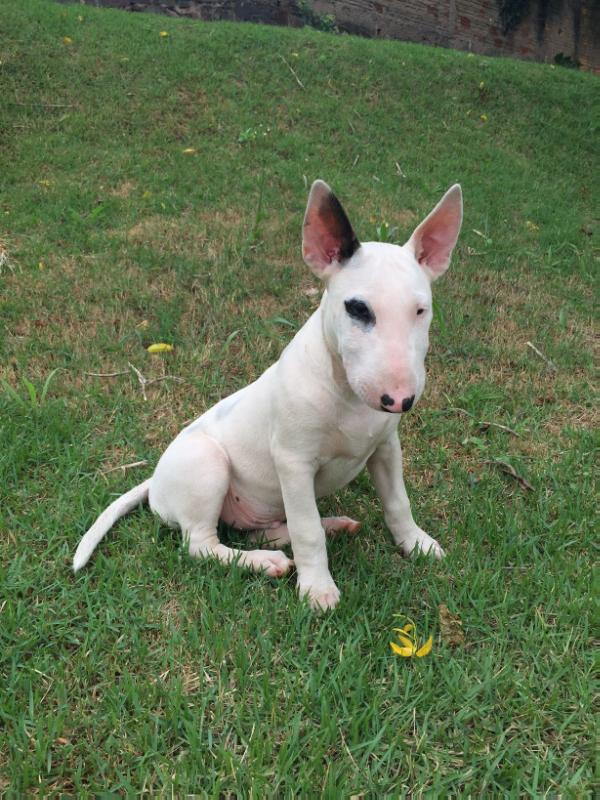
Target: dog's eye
(420,311)
(360,311)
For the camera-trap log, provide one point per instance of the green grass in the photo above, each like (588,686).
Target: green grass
(152,672)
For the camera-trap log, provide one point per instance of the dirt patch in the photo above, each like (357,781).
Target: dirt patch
(4,256)
(190,234)
(170,613)
(123,190)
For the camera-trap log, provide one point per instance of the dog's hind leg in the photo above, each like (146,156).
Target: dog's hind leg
(279,535)
(189,487)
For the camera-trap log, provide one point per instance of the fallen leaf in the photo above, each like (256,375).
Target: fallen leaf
(425,649)
(408,647)
(160,347)
(406,652)
(163,34)
(451,627)
(189,151)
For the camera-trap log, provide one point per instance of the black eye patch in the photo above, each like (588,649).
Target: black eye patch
(360,311)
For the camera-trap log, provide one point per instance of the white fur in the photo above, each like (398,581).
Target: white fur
(260,458)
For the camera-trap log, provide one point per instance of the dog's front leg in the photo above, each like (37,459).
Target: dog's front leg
(385,466)
(307,534)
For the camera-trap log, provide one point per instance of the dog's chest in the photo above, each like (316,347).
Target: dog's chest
(345,449)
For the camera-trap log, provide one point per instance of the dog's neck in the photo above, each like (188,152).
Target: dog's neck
(322,359)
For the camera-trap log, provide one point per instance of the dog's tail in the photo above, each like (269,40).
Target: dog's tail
(123,505)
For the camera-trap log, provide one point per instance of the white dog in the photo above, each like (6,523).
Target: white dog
(331,404)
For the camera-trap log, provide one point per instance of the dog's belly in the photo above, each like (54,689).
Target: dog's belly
(249,514)
(242,508)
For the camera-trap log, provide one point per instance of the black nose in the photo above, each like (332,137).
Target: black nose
(386,400)
(407,403)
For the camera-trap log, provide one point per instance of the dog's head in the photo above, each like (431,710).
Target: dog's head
(377,304)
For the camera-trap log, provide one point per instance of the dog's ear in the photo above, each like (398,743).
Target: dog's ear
(434,239)
(327,236)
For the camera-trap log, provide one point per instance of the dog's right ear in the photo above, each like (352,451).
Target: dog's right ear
(327,236)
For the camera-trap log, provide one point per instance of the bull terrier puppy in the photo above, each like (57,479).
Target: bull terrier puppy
(260,458)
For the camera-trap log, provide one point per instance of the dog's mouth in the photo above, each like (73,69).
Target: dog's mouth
(389,410)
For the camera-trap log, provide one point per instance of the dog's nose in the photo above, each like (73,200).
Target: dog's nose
(407,403)
(386,400)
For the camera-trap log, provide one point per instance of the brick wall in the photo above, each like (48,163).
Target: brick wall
(571,27)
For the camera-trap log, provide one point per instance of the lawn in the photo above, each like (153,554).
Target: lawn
(152,189)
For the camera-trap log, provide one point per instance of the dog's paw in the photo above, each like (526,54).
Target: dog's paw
(320,596)
(421,542)
(274,563)
(334,525)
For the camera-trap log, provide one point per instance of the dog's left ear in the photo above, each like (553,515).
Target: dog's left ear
(327,236)
(434,239)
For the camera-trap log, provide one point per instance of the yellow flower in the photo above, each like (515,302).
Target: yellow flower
(531,226)
(67,40)
(160,347)
(163,34)
(407,636)
(483,118)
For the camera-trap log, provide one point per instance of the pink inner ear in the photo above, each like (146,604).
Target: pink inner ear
(320,247)
(436,236)
(435,251)
(327,237)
